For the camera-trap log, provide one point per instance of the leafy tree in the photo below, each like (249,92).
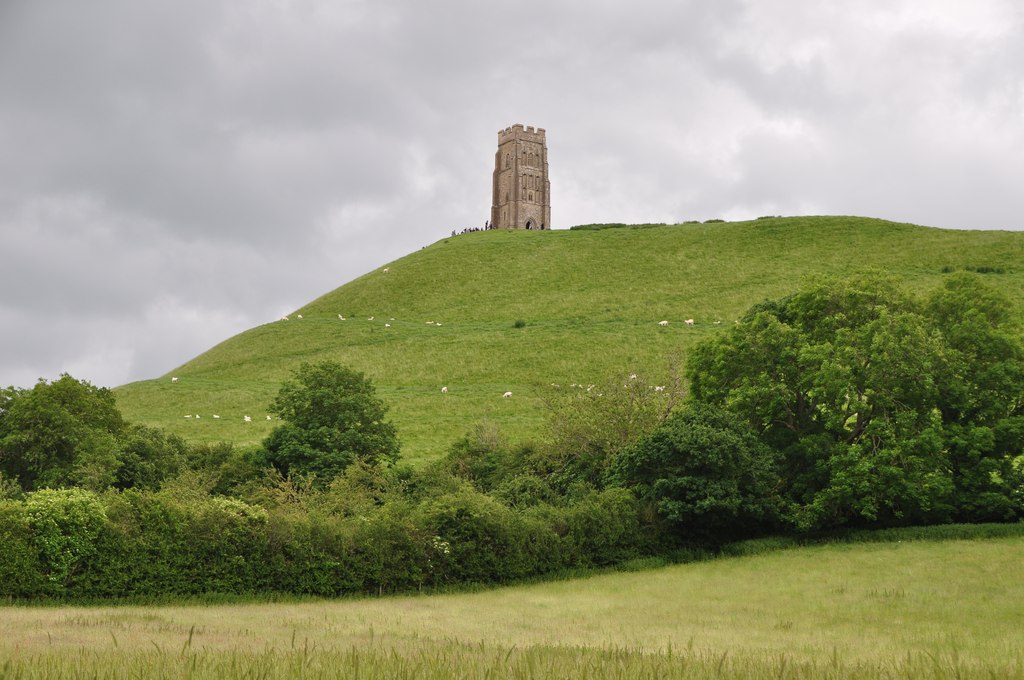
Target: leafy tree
(332,419)
(60,433)
(875,399)
(983,399)
(706,475)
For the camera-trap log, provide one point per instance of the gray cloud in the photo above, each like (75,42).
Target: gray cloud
(173,173)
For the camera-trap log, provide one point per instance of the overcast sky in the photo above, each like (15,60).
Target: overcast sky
(172,173)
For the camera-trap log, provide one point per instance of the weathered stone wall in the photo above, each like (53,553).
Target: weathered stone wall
(521,188)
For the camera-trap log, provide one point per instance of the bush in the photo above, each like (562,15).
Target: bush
(602,528)
(64,526)
(706,475)
(21,563)
(473,538)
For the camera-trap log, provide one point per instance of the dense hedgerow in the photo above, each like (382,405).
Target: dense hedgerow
(80,544)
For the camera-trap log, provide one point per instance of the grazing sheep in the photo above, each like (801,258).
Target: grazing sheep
(507,395)
(387,269)
(387,325)
(663,323)
(444,390)
(269,418)
(248,419)
(189,415)
(216,417)
(174,380)
(341,317)
(689,322)
(299,316)
(370,319)
(284,318)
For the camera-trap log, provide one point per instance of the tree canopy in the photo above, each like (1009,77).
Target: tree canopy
(70,433)
(332,418)
(885,408)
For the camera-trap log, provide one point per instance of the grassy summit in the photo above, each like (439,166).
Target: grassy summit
(591,302)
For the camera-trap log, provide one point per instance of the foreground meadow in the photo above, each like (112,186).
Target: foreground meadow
(912,609)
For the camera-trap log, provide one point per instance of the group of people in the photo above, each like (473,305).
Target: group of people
(487,227)
(468,230)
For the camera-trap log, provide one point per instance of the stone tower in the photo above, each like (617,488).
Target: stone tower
(522,192)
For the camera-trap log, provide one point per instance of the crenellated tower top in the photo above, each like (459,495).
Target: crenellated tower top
(521,196)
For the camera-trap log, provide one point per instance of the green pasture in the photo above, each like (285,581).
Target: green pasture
(915,609)
(590,300)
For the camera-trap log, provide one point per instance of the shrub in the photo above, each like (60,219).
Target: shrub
(64,526)
(21,565)
(603,527)
(312,554)
(705,473)
(473,538)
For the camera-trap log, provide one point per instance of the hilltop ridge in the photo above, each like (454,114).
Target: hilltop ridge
(494,311)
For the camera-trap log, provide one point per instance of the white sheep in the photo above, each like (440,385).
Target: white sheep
(689,322)
(444,390)
(284,318)
(663,323)
(341,317)
(507,395)
(216,417)
(248,419)
(174,379)
(299,316)
(269,418)
(387,325)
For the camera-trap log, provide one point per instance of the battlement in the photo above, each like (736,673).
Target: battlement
(518,131)
(520,185)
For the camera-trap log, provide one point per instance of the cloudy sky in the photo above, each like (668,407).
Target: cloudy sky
(172,173)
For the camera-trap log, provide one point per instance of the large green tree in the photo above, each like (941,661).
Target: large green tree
(876,400)
(70,433)
(332,418)
(60,433)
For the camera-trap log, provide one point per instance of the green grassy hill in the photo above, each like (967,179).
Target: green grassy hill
(591,301)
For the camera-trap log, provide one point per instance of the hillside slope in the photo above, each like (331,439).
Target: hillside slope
(590,300)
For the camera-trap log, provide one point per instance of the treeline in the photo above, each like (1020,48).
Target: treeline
(847,405)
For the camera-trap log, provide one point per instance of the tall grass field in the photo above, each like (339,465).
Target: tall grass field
(522,311)
(916,609)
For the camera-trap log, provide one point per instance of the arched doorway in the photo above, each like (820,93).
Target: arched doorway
(529,224)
